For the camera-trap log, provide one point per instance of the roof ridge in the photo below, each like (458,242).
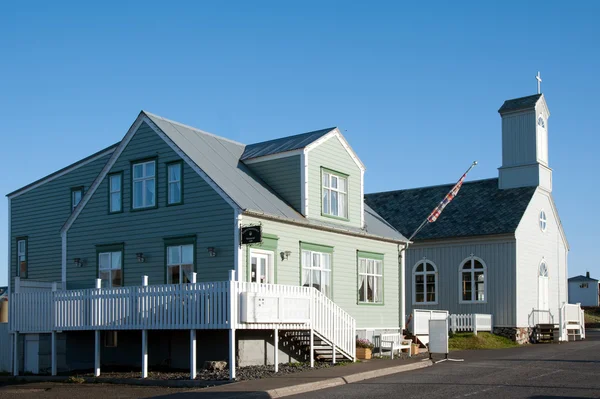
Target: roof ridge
(194,128)
(328,129)
(433,186)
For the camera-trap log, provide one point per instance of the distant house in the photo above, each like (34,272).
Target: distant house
(242,246)
(584,290)
(499,246)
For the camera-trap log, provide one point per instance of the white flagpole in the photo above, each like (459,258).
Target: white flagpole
(427,218)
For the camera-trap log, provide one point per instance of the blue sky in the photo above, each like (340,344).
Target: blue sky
(414,87)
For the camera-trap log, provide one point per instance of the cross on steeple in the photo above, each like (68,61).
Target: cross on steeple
(539,82)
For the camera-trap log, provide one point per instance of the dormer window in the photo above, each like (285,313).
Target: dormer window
(334,194)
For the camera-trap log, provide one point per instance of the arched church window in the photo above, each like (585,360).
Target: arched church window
(425,282)
(543,221)
(473,281)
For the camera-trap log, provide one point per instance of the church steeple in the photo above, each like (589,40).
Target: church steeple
(525,143)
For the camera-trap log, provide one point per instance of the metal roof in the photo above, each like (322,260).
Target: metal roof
(517,104)
(220,159)
(480,208)
(582,278)
(283,144)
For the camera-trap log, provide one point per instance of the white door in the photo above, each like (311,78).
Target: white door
(31,355)
(261,267)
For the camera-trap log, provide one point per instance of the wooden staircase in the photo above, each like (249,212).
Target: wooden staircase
(545,333)
(322,348)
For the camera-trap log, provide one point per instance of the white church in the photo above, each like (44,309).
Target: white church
(499,247)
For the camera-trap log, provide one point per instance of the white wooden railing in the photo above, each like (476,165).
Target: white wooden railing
(474,322)
(540,316)
(571,318)
(184,306)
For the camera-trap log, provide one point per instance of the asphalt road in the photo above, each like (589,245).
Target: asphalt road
(568,370)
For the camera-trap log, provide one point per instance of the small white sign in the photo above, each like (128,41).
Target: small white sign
(438,337)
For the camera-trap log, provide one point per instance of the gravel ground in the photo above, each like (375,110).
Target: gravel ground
(242,373)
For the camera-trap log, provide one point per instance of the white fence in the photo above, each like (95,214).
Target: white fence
(184,306)
(420,322)
(5,348)
(474,322)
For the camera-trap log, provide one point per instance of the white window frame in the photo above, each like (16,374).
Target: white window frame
(424,273)
(543,221)
(111,192)
(320,268)
(22,253)
(270,272)
(327,190)
(144,179)
(110,268)
(376,276)
(180,264)
(73,192)
(178,180)
(472,270)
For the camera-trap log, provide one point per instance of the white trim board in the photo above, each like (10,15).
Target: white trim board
(142,118)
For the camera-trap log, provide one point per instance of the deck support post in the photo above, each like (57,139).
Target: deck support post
(333,343)
(97,353)
(16,354)
(193,369)
(144,353)
(53,350)
(276,352)
(312,351)
(232,354)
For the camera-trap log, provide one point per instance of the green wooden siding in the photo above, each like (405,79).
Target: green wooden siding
(344,268)
(40,213)
(204,214)
(283,176)
(333,156)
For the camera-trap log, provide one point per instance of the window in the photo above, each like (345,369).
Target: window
(76,195)
(316,267)
(472,280)
(110,268)
(335,194)
(543,221)
(543,269)
(144,185)
(115,183)
(180,263)
(22,269)
(425,283)
(583,285)
(175,186)
(110,339)
(370,278)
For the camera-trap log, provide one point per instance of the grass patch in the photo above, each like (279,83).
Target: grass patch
(482,340)
(592,317)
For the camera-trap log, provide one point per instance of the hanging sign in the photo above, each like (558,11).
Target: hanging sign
(251,234)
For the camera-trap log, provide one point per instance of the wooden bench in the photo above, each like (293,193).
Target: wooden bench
(392,342)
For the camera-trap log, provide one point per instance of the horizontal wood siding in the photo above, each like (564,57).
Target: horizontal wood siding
(499,257)
(283,176)
(344,275)
(203,214)
(40,213)
(532,245)
(332,155)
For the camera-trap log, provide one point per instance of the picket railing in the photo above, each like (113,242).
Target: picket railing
(474,322)
(183,306)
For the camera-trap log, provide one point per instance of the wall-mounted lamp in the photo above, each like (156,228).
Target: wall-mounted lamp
(78,262)
(211,252)
(140,257)
(285,255)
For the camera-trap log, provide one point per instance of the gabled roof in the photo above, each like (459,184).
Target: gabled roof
(283,144)
(60,172)
(582,278)
(218,161)
(480,208)
(518,104)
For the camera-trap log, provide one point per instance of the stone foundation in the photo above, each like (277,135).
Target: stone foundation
(520,335)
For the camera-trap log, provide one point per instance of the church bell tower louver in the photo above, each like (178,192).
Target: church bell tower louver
(525,143)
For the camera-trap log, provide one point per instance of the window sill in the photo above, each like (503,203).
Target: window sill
(424,303)
(472,302)
(371,303)
(335,217)
(147,208)
(175,204)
